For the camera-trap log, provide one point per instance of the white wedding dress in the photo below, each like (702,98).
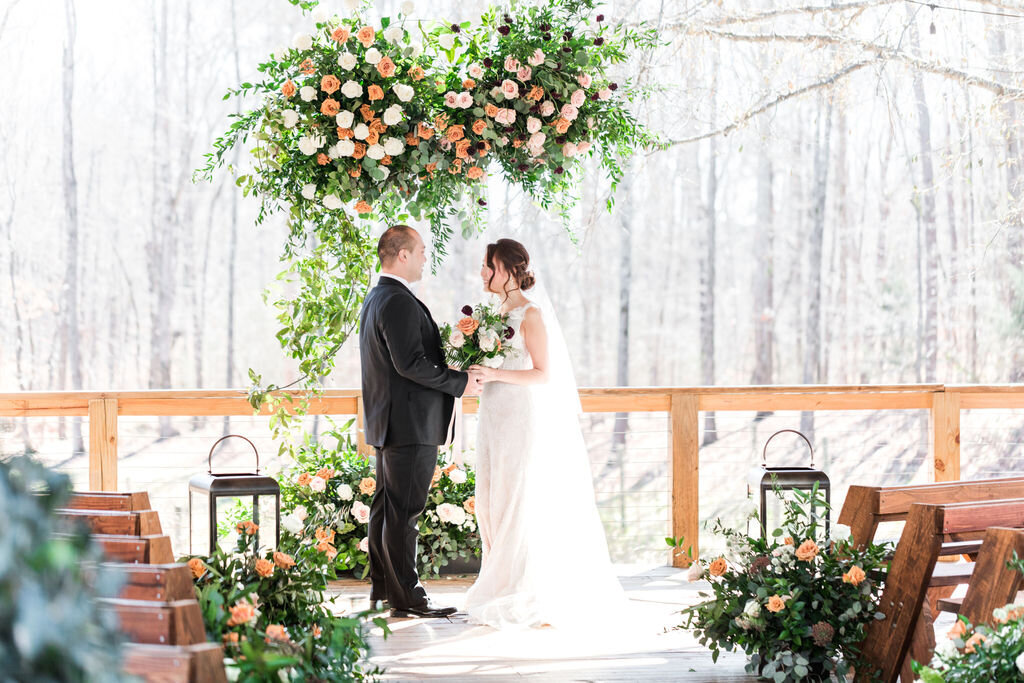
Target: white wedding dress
(545,558)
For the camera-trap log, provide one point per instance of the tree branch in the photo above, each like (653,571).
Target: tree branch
(822,83)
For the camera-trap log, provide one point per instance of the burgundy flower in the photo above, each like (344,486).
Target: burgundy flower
(822,633)
(508,19)
(504,29)
(594,97)
(567,35)
(760,563)
(566,49)
(467,310)
(559,170)
(487,62)
(598,41)
(523,167)
(545,27)
(455,28)
(481,202)
(547,36)
(509,333)
(560,139)
(613,86)
(600,17)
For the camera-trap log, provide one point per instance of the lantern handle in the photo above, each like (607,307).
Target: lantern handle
(764,453)
(209,458)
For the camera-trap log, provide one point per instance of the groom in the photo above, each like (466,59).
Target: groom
(408,397)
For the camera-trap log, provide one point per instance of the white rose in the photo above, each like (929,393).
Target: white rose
(532,124)
(351,89)
(403,92)
(344,492)
(392,115)
(301,512)
(345,148)
(445,511)
(361,131)
(347,61)
(488,341)
(497,95)
(309,191)
(408,7)
(291,524)
(393,146)
(302,42)
(415,50)
(457,339)
(281,53)
(695,572)
(352,5)
(394,33)
(320,14)
(307,93)
(290,117)
(332,202)
(307,145)
(386,171)
(318,484)
(458,516)
(344,119)
(457,476)
(376,152)
(446,40)
(475,71)
(373,56)
(947,650)
(1020,662)
(364,544)
(491,362)
(752,608)
(840,532)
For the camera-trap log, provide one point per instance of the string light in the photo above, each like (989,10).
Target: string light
(934,7)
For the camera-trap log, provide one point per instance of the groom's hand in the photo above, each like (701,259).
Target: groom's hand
(475,384)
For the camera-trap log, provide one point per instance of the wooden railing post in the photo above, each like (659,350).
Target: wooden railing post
(944,422)
(103,444)
(361,445)
(684,446)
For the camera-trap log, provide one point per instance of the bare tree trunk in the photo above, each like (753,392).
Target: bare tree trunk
(162,247)
(707,271)
(812,346)
(621,428)
(69,319)
(229,369)
(763,259)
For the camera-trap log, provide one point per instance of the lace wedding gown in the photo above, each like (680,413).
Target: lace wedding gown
(545,558)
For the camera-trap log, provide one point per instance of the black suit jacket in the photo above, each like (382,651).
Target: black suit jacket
(408,390)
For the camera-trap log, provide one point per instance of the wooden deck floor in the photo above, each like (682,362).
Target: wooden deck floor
(649,649)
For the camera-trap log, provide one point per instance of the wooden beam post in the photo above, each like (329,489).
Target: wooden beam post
(684,447)
(103,444)
(361,445)
(944,422)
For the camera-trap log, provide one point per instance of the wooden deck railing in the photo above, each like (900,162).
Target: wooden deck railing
(682,404)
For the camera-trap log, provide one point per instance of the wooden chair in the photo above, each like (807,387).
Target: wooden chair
(157,607)
(911,572)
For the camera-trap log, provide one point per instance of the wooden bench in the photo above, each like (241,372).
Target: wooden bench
(157,607)
(993,583)
(928,526)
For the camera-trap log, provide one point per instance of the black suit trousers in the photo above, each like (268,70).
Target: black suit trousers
(403,482)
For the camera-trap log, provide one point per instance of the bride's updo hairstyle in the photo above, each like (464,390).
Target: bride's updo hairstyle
(515,260)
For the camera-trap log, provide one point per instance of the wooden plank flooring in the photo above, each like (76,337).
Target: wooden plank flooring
(648,648)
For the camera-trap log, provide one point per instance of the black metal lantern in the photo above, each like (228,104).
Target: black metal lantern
(764,479)
(232,485)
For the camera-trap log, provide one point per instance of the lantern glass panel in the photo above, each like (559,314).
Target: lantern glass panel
(199,524)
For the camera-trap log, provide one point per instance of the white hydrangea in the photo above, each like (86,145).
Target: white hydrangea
(302,42)
(307,93)
(393,146)
(392,115)
(376,152)
(344,490)
(347,61)
(458,476)
(309,191)
(333,203)
(373,56)
(351,89)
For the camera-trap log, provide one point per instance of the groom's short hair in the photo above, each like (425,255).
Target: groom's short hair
(394,239)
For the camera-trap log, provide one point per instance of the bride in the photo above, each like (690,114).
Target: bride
(545,558)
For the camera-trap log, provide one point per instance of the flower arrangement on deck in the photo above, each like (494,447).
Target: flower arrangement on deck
(329,491)
(795,602)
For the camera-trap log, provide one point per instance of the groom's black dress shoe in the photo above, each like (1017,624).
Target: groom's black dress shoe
(426,610)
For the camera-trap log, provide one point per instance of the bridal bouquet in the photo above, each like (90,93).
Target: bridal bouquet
(477,339)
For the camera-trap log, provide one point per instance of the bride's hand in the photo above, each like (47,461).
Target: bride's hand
(486,373)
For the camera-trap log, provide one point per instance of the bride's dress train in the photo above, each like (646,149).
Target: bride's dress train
(545,558)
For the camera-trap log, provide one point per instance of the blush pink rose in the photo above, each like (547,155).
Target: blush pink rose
(451,99)
(537,57)
(569,149)
(582,147)
(505,116)
(569,112)
(547,109)
(464,100)
(604,94)
(511,63)
(524,73)
(536,140)
(510,89)
(475,71)
(532,124)
(578,98)
(584,80)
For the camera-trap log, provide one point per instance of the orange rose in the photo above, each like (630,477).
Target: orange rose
(455,133)
(807,550)
(367,486)
(375,93)
(317,630)
(469,84)
(344,133)
(411,139)
(330,551)
(241,613)
(431,167)
(561,125)
(385,160)
(462,149)
(424,131)
(264,568)
(231,638)
(441,122)
(536,92)
(340,34)
(416,72)
(788,540)
(854,576)
(470,505)
(307,67)
(474,172)
(455,168)
(517,144)
(247,527)
(491,110)
(360,151)
(304,479)
(355,172)
(277,632)
(323,534)
(329,84)
(330,107)
(372,138)
(283,560)
(467,325)
(437,476)
(958,630)
(288,89)
(479,126)
(386,67)
(363,207)
(365,35)
(197,567)
(776,604)
(322,159)
(718,566)
(377,126)
(326,473)
(366,111)
(976,639)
